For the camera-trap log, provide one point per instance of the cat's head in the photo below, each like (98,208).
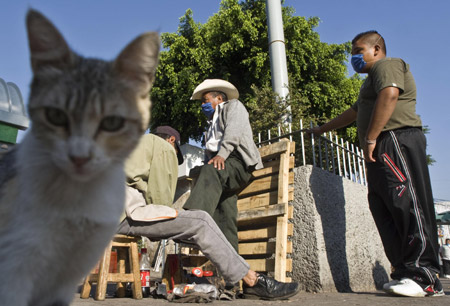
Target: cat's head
(88,113)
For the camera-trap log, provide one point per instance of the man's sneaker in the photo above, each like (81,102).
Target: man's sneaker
(408,287)
(435,290)
(387,286)
(266,288)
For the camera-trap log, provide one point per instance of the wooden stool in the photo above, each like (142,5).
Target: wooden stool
(103,277)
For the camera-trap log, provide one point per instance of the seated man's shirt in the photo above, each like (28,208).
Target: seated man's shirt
(152,168)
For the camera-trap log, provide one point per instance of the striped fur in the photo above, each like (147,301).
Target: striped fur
(62,187)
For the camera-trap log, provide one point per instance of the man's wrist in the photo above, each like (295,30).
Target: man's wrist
(371,141)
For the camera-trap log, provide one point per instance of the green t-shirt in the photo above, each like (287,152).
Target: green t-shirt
(387,72)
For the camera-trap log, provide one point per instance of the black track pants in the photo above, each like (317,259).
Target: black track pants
(401,202)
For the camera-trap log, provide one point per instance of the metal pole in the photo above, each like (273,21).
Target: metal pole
(354,162)
(343,158)
(349,162)
(338,156)
(303,143)
(312,145)
(277,53)
(332,153)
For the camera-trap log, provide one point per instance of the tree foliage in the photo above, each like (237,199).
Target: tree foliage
(233,45)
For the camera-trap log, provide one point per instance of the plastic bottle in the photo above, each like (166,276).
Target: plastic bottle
(144,266)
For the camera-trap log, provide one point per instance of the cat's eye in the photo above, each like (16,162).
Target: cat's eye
(56,116)
(112,123)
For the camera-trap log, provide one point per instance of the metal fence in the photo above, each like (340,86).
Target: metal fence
(326,151)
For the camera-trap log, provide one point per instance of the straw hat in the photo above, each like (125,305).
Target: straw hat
(215,85)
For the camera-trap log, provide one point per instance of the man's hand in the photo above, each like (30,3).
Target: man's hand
(218,161)
(315,130)
(368,152)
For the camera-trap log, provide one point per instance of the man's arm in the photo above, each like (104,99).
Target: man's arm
(382,112)
(236,121)
(342,120)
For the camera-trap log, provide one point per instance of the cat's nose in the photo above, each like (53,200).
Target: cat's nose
(79,161)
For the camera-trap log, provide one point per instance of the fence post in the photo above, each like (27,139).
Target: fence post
(349,162)
(343,158)
(279,132)
(364,167)
(332,153)
(290,132)
(354,162)
(303,143)
(359,166)
(326,152)
(338,156)
(320,152)
(312,145)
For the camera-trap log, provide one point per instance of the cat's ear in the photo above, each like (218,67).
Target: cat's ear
(47,45)
(138,61)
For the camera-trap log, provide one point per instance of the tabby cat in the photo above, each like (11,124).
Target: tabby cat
(62,188)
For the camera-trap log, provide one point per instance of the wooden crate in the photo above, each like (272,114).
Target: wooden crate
(264,212)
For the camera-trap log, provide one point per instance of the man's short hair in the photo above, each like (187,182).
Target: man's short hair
(371,38)
(219,93)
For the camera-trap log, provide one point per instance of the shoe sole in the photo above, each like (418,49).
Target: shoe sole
(392,283)
(392,292)
(248,296)
(408,295)
(437,294)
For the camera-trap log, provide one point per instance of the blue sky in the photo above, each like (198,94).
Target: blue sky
(415,30)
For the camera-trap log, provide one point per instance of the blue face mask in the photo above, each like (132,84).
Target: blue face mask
(358,62)
(208,110)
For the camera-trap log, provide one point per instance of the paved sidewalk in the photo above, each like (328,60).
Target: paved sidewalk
(319,299)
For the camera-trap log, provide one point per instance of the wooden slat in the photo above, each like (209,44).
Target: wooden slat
(262,199)
(273,149)
(272,210)
(263,233)
(290,212)
(120,244)
(124,239)
(282,221)
(114,277)
(256,248)
(259,248)
(119,277)
(272,166)
(267,265)
(265,184)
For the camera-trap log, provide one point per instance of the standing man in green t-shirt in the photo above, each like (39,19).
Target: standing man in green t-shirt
(400,196)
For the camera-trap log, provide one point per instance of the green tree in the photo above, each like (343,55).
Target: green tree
(233,45)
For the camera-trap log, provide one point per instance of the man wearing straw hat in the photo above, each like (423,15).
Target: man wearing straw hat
(231,155)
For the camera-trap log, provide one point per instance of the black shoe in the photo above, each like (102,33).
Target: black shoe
(266,288)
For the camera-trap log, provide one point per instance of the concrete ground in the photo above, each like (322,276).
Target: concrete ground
(310,299)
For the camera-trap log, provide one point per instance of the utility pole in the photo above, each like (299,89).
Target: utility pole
(277,53)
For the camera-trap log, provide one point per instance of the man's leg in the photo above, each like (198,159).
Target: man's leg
(446,264)
(421,249)
(402,182)
(206,193)
(216,193)
(386,225)
(199,228)
(226,218)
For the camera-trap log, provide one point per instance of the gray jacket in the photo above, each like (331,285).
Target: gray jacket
(238,134)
